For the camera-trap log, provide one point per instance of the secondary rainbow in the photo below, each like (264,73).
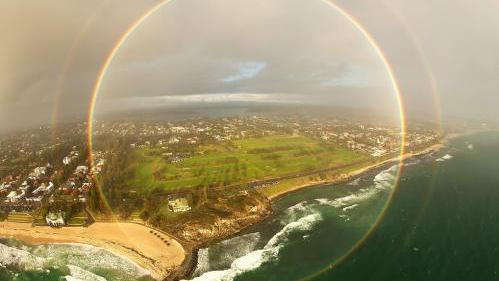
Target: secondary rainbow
(68,61)
(105,66)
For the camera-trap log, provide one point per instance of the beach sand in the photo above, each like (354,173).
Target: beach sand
(129,240)
(349,175)
(138,244)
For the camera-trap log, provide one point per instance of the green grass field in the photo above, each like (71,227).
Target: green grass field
(237,162)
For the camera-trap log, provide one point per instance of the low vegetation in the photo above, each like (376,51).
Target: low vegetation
(236,162)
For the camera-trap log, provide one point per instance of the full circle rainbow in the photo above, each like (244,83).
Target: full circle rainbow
(351,19)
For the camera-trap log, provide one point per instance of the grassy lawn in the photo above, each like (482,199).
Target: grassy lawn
(237,162)
(289,184)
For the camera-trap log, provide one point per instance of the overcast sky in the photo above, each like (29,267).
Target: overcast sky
(293,51)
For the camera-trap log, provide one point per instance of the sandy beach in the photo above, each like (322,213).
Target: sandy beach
(156,252)
(347,176)
(159,254)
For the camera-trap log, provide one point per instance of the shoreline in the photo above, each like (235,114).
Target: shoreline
(339,179)
(343,177)
(178,262)
(136,243)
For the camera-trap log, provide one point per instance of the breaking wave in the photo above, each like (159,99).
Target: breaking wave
(81,260)
(385,180)
(296,212)
(20,258)
(269,252)
(349,200)
(350,207)
(355,182)
(412,163)
(220,255)
(445,157)
(300,219)
(80,274)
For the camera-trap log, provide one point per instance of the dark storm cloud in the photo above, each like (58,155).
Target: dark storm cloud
(459,41)
(243,50)
(295,47)
(38,39)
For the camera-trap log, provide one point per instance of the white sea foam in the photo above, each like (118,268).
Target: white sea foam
(355,182)
(243,264)
(296,211)
(203,261)
(240,246)
(350,207)
(297,207)
(80,274)
(348,200)
(343,216)
(303,224)
(445,157)
(384,180)
(323,201)
(256,258)
(82,256)
(412,163)
(225,252)
(10,256)
(91,257)
(301,217)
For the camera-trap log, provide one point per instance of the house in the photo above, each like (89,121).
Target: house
(11,195)
(81,170)
(173,140)
(50,187)
(14,197)
(55,219)
(178,205)
(66,160)
(34,199)
(39,171)
(43,188)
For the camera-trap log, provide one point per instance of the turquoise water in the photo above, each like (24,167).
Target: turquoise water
(71,262)
(441,225)
(310,229)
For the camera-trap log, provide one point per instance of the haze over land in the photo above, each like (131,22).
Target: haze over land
(245,51)
(248,140)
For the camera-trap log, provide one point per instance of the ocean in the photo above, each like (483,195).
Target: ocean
(441,224)
(70,262)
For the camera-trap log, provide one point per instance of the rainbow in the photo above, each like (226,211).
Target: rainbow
(403,130)
(107,63)
(70,55)
(436,101)
(351,19)
(433,85)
